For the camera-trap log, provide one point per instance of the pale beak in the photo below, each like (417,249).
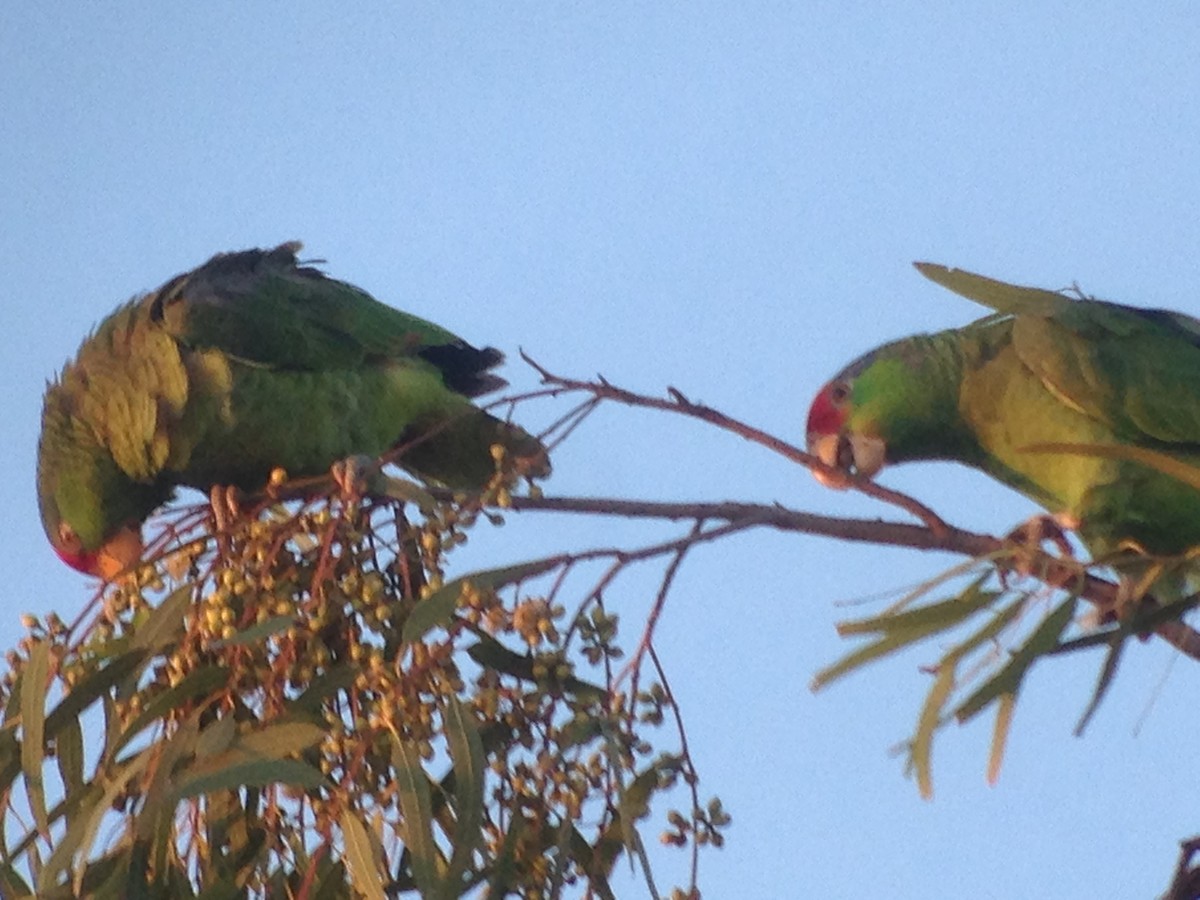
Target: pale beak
(122,551)
(855,453)
(869,453)
(833,450)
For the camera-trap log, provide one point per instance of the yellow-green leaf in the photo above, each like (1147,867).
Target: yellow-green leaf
(416,807)
(68,747)
(199,683)
(164,624)
(438,608)
(284,739)
(1004,714)
(930,617)
(1107,673)
(363,857)
(927,723)
(1008,680)
(234,770)
(34,681)
(467,756)
(257,632)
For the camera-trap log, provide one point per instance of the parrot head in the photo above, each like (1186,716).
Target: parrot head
(883,408)
(91,511)
(118,553)
(840,438)
(82,538)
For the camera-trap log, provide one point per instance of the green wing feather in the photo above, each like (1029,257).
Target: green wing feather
(1000,296)
(1135,370)
(265,308)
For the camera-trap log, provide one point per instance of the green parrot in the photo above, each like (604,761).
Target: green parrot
(249,363)
(1084,406)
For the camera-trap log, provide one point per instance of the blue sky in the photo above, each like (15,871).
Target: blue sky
(720,197)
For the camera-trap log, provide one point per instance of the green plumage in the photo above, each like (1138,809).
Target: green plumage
(1069,401)
(250,362)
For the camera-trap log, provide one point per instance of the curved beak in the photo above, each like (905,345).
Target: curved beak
(847,453)
(121,552)
(835,451)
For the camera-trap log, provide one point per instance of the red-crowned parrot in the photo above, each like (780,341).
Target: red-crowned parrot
(250,362)
(1081,405)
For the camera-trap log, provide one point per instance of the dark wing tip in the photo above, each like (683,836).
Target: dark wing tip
(465,368)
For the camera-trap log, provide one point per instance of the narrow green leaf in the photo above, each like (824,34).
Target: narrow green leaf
(504,868)
(164,625)
(283,739)
(257,632)
(437,609)
(991,629)
(931,617)
(159,803)
(417,809)
(200,683)
(68,746)
(491,654)
(469,762)
(12,708)
(890,643)
(597,860)
(366,863)
(10,758)
(235,770)
(914,625)
(634,798)
(12,884)
(1004,714)
(324,686)
(86,692)
(1111,660)
(215,737)
(928,586)
(77,840)
(633,803)
(331,881)
(34,682)
(928,721)
(1008,680)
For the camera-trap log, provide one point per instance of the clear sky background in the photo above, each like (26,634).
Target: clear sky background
(720,197)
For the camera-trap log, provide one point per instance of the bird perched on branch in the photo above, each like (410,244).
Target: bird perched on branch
(1089,408)
(250,363)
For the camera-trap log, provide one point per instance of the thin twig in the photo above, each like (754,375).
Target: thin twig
(678,403)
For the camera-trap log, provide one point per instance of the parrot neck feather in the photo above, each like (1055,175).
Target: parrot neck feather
(910,397)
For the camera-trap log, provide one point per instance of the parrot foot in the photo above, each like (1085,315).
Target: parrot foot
(226,503)
(1030,536)
(354,476)
(359,476)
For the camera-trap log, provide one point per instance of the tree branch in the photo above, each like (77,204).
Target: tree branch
(1067,574)
(678,403)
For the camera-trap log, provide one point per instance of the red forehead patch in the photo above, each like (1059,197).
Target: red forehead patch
(81,561)
(823,416)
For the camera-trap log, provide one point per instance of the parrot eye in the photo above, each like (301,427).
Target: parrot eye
(839,393)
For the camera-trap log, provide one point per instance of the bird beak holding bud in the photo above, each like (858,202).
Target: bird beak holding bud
(847,453)
(120,554)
